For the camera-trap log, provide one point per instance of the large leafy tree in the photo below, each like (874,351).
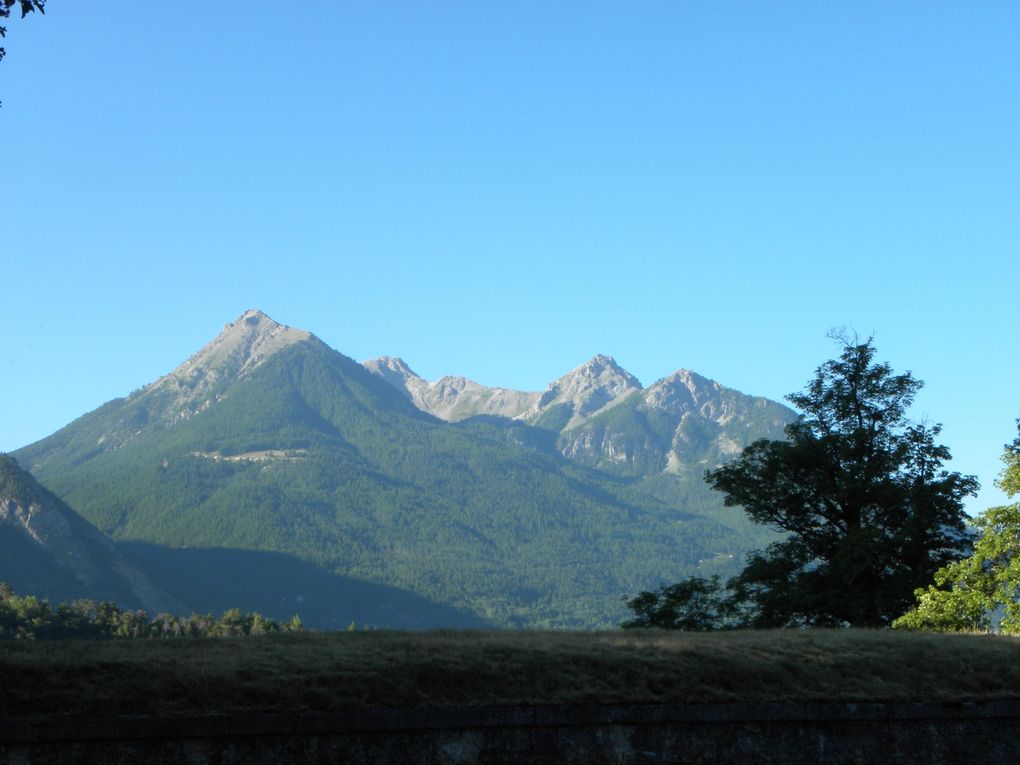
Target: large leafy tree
(867,512)
(968,592)
(867,509)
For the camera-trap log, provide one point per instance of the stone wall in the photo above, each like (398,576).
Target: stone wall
(932,734)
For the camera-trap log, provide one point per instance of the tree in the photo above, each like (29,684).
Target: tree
(867,512)
(966,593)
(231,624)
(693,605)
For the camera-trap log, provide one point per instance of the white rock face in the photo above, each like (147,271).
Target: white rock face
(457,398)
(450,398)
(595,386)
(697,421)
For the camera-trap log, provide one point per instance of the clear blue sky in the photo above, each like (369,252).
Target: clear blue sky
(501,190)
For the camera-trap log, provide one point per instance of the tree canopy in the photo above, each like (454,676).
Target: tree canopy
(692,605)
(867,510)
(966,594)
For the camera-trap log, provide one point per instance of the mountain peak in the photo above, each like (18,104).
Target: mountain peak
(680,391)
(397,373)
(600,371)
(390,366)
(688,378)
(595,385)
(239,348)
(601,361)
(253,317)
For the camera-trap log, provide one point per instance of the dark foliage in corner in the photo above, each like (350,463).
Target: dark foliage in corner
(27,7)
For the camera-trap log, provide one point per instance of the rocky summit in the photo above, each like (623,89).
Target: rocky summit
(240,348)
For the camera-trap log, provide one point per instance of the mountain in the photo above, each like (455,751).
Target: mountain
(50,551)
(603,417)
(272,470)
(268,441)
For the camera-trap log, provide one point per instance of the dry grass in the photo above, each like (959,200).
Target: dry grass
(322,672)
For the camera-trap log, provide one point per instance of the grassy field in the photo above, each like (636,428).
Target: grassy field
(323,672)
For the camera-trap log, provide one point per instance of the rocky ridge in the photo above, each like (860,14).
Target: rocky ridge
(450,397)
(605,418)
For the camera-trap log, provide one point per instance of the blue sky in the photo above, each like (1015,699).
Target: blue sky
(502,190)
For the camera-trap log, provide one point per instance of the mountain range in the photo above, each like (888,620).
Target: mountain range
(275,471)
(604,418)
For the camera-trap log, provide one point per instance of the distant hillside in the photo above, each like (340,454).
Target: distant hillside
(48,550)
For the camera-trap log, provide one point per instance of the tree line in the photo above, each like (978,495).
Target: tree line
(874,531)
(32,618)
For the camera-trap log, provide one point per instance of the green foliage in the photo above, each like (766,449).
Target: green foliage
(693,605)
(868,512)
(965,594)
(30,618)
